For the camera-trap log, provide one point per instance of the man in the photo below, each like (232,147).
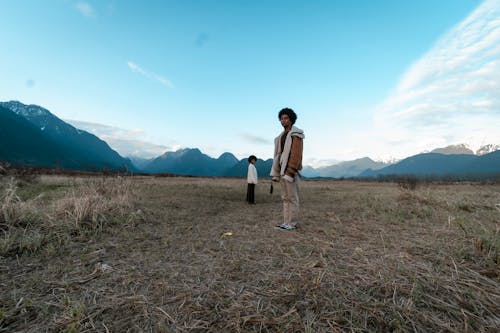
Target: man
(287,164)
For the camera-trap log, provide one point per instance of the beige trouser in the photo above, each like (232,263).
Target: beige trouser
(290,197)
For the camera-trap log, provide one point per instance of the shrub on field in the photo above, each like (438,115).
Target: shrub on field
(17,221)
(14,211)
(93,203)
(489,245)
(88,206)
(486,239)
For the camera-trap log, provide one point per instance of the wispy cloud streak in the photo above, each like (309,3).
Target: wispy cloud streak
(255,139)
(150,75)
(451,94)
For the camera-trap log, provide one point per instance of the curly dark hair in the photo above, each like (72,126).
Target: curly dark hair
(252,157)
(290,113)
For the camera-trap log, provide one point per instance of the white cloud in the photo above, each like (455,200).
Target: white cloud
(85,9)
(451,95)
(127,142)
(150,75)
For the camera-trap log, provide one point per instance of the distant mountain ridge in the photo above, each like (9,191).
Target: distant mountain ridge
(344,169)
(441,164)
(240,169)
(463,148)
(194,162)
(63,145)
(439,161)
(454,149)
(22,143)
(486,149)
(191,161)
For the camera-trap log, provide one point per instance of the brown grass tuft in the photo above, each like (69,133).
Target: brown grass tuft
(36,214)
(94,203)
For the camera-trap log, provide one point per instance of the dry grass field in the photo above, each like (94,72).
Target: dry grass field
(167,254)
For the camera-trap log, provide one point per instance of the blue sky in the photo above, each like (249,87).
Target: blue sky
(387,78)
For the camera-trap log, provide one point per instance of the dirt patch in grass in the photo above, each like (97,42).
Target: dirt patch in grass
(189,255)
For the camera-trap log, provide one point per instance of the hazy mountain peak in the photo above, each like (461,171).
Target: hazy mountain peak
(363,159)
(486,149)
(461,148)
(39,138)
(228,157)
(25,110)
(181,152)
(41,118)
(344,169)
(389,160)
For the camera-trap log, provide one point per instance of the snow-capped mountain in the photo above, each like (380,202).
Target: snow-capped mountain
(436,164)
(69,147)
(27,111)
(42,118)
(464,148)
(454,149)
(344,169)
(486,149)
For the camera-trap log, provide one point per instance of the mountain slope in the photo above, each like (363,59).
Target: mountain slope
(454,149)
(344,169)
(226,160)
(441,164)
(241,168)
(191,162)
(486,149)
(22,143)
(350,168)
(487,163)
(78,149)
(140,163)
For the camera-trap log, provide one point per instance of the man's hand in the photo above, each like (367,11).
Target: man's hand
(288,178)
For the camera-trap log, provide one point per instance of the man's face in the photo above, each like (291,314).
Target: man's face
(285,121)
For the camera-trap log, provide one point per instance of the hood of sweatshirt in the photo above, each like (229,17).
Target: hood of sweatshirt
(295,131)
